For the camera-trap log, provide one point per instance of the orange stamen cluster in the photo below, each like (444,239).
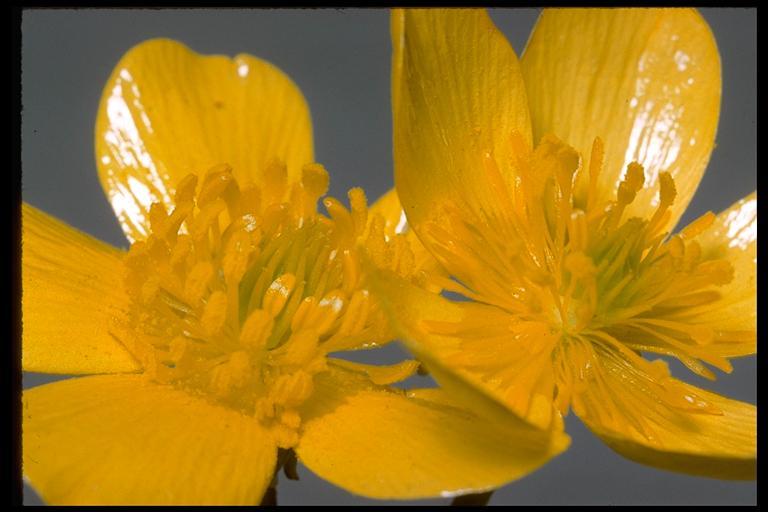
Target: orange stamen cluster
(239,295)
(583,285)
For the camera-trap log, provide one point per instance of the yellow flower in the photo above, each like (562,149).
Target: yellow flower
(206,346)
(549,189)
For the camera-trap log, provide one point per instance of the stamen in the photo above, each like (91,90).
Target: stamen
(256,330)
(359,207)
(628,189)
(239,296)
(214,314)
(314,179)
(698,226)
(667,194)
(595,166)
(547,249)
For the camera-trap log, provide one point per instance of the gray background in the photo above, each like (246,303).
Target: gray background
(340,60)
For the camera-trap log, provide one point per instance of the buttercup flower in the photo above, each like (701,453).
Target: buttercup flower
(206,347)
(549,190)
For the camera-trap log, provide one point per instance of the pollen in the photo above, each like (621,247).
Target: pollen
(586,286)
(239,293)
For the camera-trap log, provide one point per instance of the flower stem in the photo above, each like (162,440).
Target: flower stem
(270,497)
(286,460)
(289,462)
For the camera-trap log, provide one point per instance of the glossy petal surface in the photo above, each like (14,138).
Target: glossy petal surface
(121,440)
(167,111)
(647,81)
(389,207)
(565,255)
(457,96)
(708,435)
(72,300)
(733,236)
(383,444)
(379,374)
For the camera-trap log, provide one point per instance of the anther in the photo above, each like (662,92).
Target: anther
(718,272)
(214,313)
(157,217)
(580,265)
(341,218)
(230,374)
(692,255)
(355,315)
(256,330)
(595,166)
(578,231)
(157,249)
(698,226)
(632,183)
(351,271)
(676,247)
(236,255)
(178,348)
(250,202)
(198,280)
(566,161)
(358,206)
(299,349)
(667,190)
(293,389)
(216,181)
(667,194)
(319,316)
(314,179)
(277,294)
(208,216)
(290,419)
(150,289)
(185,190)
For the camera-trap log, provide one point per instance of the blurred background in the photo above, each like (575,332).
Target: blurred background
(340,59)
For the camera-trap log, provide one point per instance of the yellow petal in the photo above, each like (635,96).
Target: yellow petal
(476,352)
(167,111)
(380,374)
(72,300)
(118,439)
(647,81)
(390,209)
(733,237)
(385,444)
(458,96)
(708,435)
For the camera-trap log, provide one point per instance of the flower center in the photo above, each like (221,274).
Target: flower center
(239,296)
(578,275)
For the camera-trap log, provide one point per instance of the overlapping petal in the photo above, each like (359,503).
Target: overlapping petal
(458,97)
(476,352)
(167,111)
(383,443)
(72,300)
(733,237)
(647,81)
(702,434)
(388,206)
(119,439)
